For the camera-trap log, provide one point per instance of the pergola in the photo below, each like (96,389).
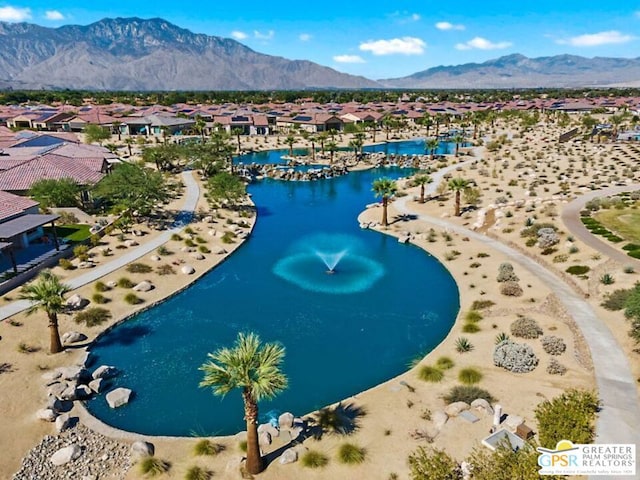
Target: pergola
(18,226)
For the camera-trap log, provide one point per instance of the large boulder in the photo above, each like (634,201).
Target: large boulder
(76,302)
(187,269)
(288,456)
(197,256)
(72,337)
(51,377)
(118,397)
(73,373)
(143,286)
(63,421)
(270,429)
(70,393)
(482,405)
(264,439)
(141,449)
(46,414)
(439,419)
(456,408)
(104,371)
(131,243)
(97,385)
(66,455)
(285,420)
(57,389)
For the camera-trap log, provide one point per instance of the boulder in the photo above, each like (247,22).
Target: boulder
(72,337)
(66,455)
(208,219)
(288,456)
(456,408)
(131,243)
(76,301)
(187,269)
(143,286)
(83,392)
(264,439)
(141,449)
(211,233)
(85,265)
(46,414)
(69,393)
(482,405)
(155,258)
(112,284)
(53,403)
(97,385)
(197,256)
(118,397)
(439,419)
(187,249)
(104,371)
(63,421)
(220,251)
(285,420)
(270,429)
(51,377)
(74,372)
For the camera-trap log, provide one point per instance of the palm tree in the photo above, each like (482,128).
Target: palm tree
(290,140)
(237,132)
(432,145)
(200,126)
(128,142)
(385,188)
(47,294)
(422,180)
(253,367)
(322,138)
(458,185)
(458,139)
(312,139)
(332,147)
(116,126)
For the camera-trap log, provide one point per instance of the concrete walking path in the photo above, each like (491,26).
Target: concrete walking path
(192,193)
(619,420)
(571,218)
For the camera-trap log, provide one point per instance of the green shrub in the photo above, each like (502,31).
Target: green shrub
(351,454)
(203,249)
(616,300)
(444,363)
(228,237)
(153,466)
(138,268)
(463,345)
(163,251)
(430,374)
(132,299)
(92,317)
(577,269)
(176,237)
(629,269)
(200,240)
(501,337)
(467,393)
(197,473)
(124,282)
(631,246)
(569,416)
(469,376)
(433,464)
(511,289)
(242,446)
(66,264)
(189,243)
(207,447)
(100,287)
(482,304)
(607,279)
(81,252)
(473,316)
(314,459)
(99,298)
(470,328)
(634,253)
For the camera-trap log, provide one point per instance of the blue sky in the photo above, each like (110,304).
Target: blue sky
(379,39)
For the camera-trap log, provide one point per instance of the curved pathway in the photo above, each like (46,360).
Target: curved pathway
(619,420)
(571,218)
(192,194)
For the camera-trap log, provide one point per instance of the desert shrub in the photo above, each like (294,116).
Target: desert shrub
(511,289)
(153,466)
(203,249)
(430,374)
(228,237)
(556,368)
(631,246)
(547,237)
(163,251)
(563,257)
(165,270)
(197,473)
(176,237)
(81,252)
(242,446)
(616,299)
(444,363)
(526,327)
(469,376)
(470,328)
(467,394)
(634,253)
(515,357)
(553,345)
(314,459)
(506,273)
(463,345)
(351,454)
(548,251)
(482,304)
(66,264)
(132,299)
(124,282)
(501,337)
(577,269)
(473,316)
(100,287)
(200,240)
(93,316)
(433,464)
(138,268)
(530,242)
(570,415)
(189,243)
(99,298)
(629,269)
(607,279)
(207,447)
(506,464)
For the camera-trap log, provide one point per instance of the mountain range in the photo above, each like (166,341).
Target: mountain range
(153,54)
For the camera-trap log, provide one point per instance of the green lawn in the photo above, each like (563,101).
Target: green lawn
(72,233)
(625,223)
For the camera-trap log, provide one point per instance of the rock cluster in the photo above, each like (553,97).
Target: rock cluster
(77,453)
(515,357)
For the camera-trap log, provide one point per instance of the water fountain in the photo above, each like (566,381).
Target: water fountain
(358,272)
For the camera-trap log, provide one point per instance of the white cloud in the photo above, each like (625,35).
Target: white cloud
(304,37)
(264,36)
(403,17)
(596,39)
(348,59)
(53,15)
(449,26)
(238,35)
(404,46)
(482,44)
(14,14)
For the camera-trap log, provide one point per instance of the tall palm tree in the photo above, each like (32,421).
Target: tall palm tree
(312,139)
(237,132)
(322,138)
(458,185)
(253,367)
(458,139)
(422,180)
(128,142)
(432,145)
(116,126)
(47,294)
(385,188)
(290,140)
(332,147)
(200,126)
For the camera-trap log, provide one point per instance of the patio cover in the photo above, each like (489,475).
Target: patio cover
(24,224)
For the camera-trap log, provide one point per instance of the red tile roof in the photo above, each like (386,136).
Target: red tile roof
(12,205)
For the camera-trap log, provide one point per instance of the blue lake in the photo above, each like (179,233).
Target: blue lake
(343,333)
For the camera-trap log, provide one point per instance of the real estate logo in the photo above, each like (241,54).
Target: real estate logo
(582,459)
